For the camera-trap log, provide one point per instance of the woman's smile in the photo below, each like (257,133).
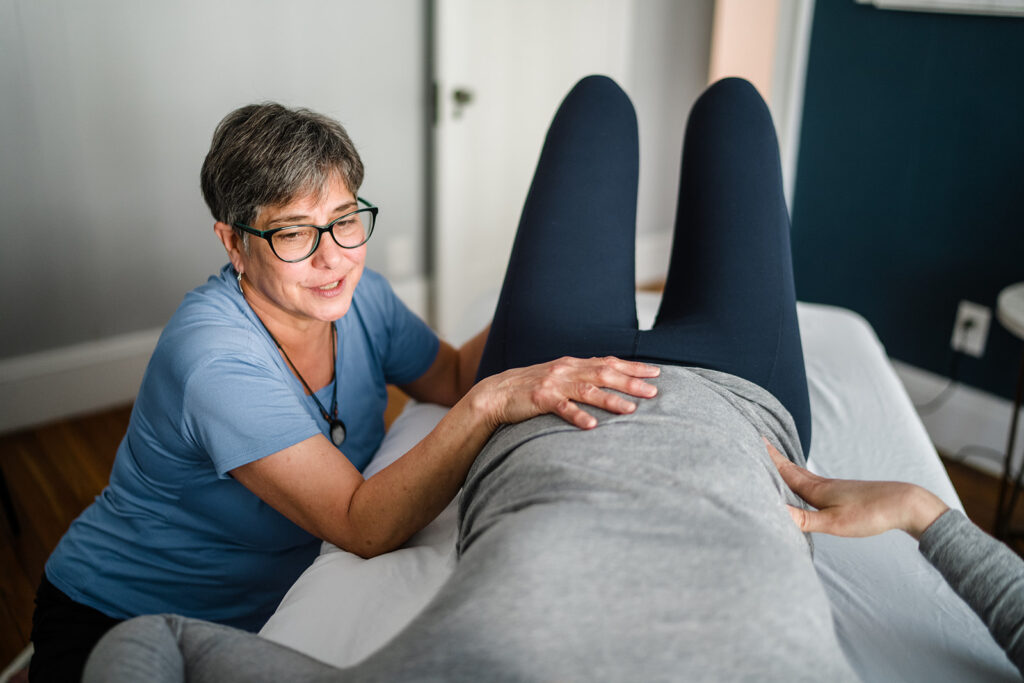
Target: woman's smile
(329,290)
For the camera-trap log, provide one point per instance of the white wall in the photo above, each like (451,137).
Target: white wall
(106,112)
(766,42)
(671,46)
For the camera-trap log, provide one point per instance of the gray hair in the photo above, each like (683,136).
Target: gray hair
(268,155)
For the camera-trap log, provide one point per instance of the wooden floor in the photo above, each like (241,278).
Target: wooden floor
(55,471)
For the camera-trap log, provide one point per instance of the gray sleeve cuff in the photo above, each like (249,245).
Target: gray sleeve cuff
(950,524)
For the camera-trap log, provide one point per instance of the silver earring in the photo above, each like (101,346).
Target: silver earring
(239,278)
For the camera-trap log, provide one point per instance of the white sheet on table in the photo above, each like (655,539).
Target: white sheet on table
(895,616)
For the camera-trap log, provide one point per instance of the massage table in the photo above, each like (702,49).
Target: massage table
(895,617)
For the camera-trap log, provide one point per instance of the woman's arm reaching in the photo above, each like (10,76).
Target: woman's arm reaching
(857,508)
(984,572)
(313,485)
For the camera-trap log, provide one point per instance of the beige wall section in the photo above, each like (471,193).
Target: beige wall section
(766,42)
(743,41)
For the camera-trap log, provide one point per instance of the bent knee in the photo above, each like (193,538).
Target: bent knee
(143,648)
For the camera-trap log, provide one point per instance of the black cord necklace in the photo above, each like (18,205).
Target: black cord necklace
(337,427)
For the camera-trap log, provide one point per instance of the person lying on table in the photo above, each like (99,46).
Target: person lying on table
(265,397)
(656,543)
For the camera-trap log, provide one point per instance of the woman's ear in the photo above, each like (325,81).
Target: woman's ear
(232,244)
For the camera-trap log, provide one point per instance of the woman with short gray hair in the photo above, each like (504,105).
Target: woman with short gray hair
(264,400)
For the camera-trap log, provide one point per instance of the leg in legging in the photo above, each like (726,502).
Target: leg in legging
(165,648)
(729,301)
(569,287)
(451,641)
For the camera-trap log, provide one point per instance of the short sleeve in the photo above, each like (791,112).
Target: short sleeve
(410,346)
(238,410)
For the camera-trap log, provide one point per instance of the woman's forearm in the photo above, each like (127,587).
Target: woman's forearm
(385,510)
(316,487)
(985,573)
(388,508)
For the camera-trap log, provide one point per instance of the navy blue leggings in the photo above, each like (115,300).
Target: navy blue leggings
(729,302)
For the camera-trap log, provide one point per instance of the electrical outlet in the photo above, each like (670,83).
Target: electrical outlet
(970,331)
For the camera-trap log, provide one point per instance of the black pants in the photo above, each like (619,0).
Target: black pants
(63,634)
(729,302)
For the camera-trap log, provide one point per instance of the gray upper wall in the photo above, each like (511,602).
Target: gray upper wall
(106,115)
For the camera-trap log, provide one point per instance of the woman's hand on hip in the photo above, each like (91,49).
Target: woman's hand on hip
(558,387)
(857,508)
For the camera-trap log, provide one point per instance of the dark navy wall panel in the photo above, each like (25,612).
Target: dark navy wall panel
(910,179)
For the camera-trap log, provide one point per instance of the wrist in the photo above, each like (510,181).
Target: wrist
(925,507)
(482,404)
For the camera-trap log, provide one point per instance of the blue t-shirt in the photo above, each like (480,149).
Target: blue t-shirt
(173,531)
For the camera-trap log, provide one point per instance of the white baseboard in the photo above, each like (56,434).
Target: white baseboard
(83,378)
(72,380)
(18,663)
(968,419)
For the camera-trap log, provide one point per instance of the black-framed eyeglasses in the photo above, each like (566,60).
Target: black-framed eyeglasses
(294,243)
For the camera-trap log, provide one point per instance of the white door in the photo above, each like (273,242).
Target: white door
(503,66)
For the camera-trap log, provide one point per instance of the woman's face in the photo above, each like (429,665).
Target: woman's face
(318,288)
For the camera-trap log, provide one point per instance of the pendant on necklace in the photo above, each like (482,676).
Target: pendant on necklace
(337,432)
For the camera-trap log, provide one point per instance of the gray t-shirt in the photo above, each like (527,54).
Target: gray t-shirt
(656,546)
